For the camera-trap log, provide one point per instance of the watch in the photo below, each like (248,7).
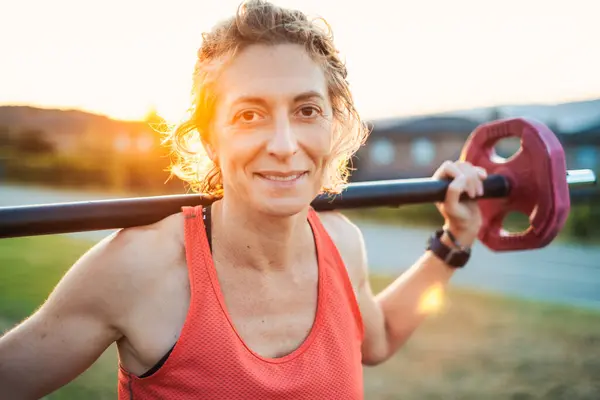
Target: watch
(454,257)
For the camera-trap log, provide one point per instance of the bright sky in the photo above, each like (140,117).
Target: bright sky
(119,57)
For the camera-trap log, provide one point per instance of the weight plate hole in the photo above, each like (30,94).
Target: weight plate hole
(506,149)
(516,222)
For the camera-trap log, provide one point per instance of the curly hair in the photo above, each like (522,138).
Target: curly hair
(261,22)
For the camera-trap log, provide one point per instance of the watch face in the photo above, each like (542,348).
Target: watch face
(460,259)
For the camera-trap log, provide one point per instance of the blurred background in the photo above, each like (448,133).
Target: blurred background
(84,85)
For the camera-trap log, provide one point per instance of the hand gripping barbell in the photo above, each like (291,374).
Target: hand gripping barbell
(534,181)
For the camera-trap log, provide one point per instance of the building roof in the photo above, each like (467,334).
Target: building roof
(425,125)
(574,118)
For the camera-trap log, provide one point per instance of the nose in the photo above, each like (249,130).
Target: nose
(283,143)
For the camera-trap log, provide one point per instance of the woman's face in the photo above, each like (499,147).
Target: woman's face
(272,130)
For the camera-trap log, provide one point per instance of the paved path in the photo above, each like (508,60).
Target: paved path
(560,272)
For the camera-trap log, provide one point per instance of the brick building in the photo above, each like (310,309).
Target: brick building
(415,147)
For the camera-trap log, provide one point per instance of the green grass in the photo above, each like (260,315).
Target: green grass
(482,346)
(478,346)
(30,267)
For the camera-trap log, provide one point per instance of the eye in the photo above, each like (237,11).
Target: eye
(310,111)
(247,117)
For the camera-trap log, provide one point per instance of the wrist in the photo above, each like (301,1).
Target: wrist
(444,246)
(463,237)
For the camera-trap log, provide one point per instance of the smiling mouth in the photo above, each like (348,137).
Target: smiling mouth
(282,177)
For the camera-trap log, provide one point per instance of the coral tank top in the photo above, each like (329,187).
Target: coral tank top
(211,361)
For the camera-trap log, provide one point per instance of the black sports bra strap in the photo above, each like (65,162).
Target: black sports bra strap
(207,225)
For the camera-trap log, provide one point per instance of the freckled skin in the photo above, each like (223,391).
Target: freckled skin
(277,131)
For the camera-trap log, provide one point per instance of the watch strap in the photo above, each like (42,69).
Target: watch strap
(454,257)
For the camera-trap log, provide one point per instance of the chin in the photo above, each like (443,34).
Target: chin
(282,206)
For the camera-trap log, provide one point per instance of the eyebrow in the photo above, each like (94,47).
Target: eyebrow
(259,100)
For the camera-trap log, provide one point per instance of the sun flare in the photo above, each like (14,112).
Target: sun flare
(432,300)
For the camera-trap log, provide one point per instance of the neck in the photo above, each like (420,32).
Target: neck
(255,240)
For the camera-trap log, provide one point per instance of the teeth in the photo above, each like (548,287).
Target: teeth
(282,178)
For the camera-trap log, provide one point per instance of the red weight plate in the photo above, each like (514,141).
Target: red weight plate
(558,186)
(537,177)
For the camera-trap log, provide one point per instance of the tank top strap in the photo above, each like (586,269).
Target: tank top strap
(328,244)
(197,247)
(336,265)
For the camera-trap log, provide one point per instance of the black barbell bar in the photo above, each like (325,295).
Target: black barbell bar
(71,217)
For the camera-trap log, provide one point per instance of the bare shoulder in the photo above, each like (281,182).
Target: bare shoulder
(94,304)
(121,268)
(340,228)
(349,241)
(142,248)
(139,249)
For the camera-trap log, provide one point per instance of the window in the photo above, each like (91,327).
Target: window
(423,151)
(382,152)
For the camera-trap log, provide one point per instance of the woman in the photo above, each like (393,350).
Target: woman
(258,296)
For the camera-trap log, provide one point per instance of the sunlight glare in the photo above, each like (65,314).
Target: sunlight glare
(431,300)
(402,57)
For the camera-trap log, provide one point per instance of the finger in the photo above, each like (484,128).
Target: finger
(448,169)
(481,172)
(477,184)
(470,172)
(474,184)
(457,187)
(480,185)
(483,175)
(478,175)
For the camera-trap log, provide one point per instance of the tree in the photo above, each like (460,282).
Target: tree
(5,139)
(34,141)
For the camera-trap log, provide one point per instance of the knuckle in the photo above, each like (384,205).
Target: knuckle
(456,186)
(468,167)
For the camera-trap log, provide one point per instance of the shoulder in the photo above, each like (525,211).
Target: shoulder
(137,249)
(143,246)
(349,242)
(343,231)
(141,254)
(123,268)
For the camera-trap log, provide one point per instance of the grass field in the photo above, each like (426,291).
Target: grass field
(477,347)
